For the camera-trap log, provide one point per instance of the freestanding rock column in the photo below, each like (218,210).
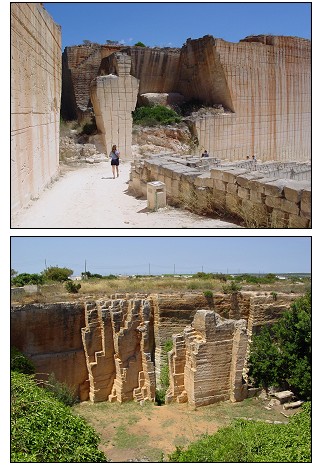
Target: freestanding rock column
(207,360)
(114,97)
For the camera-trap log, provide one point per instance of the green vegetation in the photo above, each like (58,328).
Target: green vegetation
(155,115)
(20,363)
(208,294)
(231,288)
(60,390)
(88,275)
(253,441)
(139,43)
(72,287)
(44,429)
(56,274)
(50,274)
(89,128)
(27,279)
(281,355)
(164,376)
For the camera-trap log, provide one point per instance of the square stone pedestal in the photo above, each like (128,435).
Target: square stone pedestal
(156,195)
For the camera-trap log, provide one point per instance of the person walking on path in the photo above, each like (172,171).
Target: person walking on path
(114,156)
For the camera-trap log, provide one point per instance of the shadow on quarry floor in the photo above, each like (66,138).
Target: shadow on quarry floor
(145,210)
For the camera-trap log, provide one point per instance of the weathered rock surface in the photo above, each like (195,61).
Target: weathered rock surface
(261,87)
(35,101)
(113,349)
(114,97)
(271,195)
(207,361)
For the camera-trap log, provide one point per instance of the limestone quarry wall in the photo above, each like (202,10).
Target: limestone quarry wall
(266,82)
(50,335)
(156,69)
(263,83)
(35,101)
(260,199)
(113,349)
(80,66)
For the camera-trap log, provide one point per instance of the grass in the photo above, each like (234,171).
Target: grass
(136,431)
(125,440)
(99,288)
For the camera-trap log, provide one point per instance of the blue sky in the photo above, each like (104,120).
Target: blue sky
(171,23)
(139,255)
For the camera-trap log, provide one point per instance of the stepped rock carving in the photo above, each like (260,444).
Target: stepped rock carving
(114,349)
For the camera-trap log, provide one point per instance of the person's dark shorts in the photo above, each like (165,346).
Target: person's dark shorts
(115,162)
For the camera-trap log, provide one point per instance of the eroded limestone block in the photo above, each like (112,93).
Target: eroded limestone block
(211,355)
(114,97)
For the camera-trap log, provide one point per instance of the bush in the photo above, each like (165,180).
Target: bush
(208,294)
(20,363)
(60,390)
(254,441)
(203,275)
(281,355)
(231,288)
(44,429)
(155,115)
(160,393)
(72,287)
(57,274)
(89,128)
(27,279)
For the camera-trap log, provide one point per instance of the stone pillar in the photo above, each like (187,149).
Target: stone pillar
(113,98)
(211,354)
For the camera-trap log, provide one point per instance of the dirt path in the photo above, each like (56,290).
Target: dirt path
(88,197)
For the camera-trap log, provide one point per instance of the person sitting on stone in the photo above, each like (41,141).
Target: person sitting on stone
(205,154)
(114,156)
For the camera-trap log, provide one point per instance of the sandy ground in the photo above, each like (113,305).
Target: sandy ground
(88,197)
(131,432)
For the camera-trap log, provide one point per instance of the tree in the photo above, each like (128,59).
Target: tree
(139,43)
(13,273)
(281,355)
(27,279)
(57,274)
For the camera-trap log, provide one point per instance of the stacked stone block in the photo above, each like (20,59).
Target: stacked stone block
(254,196)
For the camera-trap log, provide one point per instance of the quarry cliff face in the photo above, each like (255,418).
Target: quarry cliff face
(35,101)
(262,82)
(113,349)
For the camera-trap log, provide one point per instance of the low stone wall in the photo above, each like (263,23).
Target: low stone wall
(258,196)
